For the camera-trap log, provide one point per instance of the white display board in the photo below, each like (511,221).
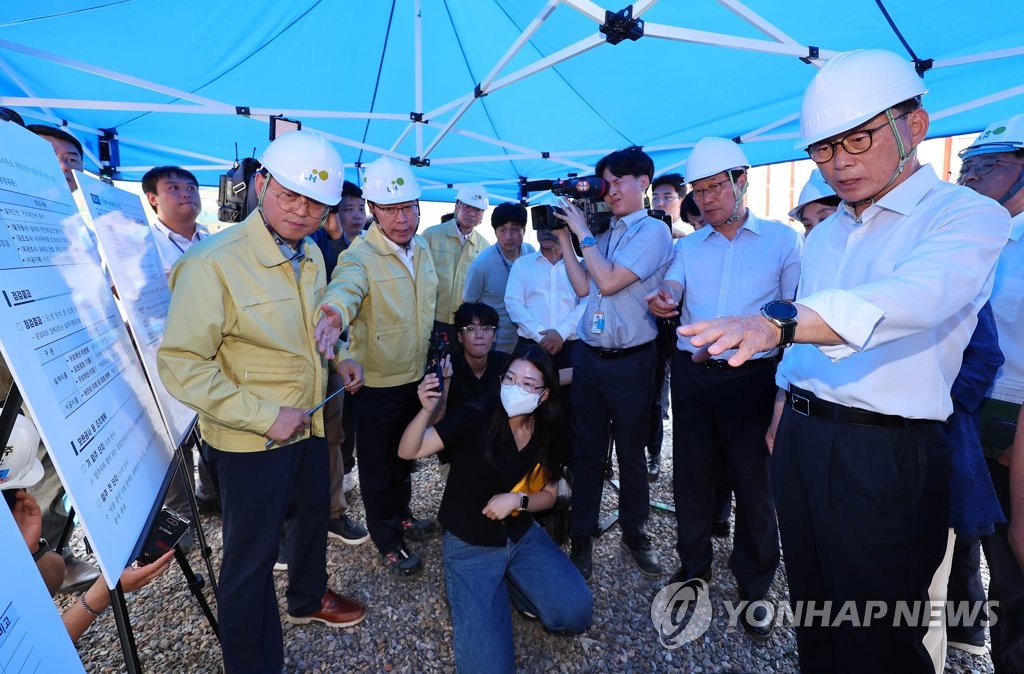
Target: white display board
(71,355)
(134,264)
(32,636)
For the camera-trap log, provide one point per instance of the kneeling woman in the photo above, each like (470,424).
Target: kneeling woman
(492,548)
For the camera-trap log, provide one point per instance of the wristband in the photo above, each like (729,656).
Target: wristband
(41,550)
(524,502)
(88,609)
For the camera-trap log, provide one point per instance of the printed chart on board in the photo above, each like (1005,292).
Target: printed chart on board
(71,356)
(32,636)
(138,274)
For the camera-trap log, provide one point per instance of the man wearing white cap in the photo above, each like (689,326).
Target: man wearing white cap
(383,291)
(993,165)
(888,299)
(817,202)
(239,349)
(734,265)
(454,245)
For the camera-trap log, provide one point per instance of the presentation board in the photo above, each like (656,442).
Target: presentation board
(71,356)
(32,636)
(134,264)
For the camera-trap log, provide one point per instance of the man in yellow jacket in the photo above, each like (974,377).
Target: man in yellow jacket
(238,349)
(453,246)
(384,291)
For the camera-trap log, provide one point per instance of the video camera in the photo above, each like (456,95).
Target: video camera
(586,193)
(233,199)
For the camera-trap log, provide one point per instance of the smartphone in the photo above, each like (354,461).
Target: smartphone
(435,357)
(168,528)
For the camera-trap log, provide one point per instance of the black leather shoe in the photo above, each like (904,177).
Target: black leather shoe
(640,548)
(654,468)
(758,620)
(581,552)
(720,528)
(682,576)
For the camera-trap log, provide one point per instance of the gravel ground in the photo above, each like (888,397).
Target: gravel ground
(407,627)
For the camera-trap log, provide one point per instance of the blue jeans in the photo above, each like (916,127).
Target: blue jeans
(479,580)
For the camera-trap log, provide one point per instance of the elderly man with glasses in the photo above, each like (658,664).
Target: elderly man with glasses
(239,349)
(888,300)
(384,291)
(736,264)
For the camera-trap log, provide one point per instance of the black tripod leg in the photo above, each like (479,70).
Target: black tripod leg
(124,631)
(195,585)
(190,493)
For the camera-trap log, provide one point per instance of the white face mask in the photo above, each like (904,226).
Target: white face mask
(516,401)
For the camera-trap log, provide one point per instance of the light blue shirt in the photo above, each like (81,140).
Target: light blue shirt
(486,281)
(643,245)
(733,278)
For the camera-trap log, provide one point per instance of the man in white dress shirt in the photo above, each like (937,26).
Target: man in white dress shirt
(732,266)
(888,299)
(173,193)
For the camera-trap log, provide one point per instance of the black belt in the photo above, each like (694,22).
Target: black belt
(807,404)
(723,364)
(618,353)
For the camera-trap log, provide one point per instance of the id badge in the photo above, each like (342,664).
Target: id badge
(597,322)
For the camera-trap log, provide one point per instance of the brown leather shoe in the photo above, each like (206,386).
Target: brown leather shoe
(335,611)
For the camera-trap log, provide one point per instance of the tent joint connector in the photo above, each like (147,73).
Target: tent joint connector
(416,116)
(242,110)
(812,54)
(621,25)
(416,161)
(737,139)
(478,91)
(923,65)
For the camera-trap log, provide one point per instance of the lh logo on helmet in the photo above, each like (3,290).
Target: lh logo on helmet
(315,175)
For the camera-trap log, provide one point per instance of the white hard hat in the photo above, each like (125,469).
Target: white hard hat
(853,87)
(1005,135)
(815,188)
(473,195)
(713,155)
(387,181)
(305,163)
(19,460)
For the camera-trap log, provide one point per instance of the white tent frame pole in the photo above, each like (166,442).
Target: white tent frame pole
(756,133)
(979,102)
(418,95)
(575,49)
(759,22)
(485,84)
(185,109)
(731,41)
(587,8)
(104,72)
(517,148)
(187,167)
(976,58)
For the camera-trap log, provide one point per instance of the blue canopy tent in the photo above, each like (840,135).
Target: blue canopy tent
(477,90)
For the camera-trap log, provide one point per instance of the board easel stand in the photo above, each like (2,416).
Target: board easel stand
(194,582)
(612,518)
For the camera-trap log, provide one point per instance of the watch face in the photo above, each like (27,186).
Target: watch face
(781,311)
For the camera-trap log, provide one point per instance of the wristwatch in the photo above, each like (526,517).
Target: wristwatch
(588,241)
(782,314)
(524,501)
(41,550)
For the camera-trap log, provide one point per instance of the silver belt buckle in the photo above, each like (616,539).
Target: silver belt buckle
(800,404)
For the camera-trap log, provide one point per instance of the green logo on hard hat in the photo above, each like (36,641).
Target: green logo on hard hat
(399,181)
(315,174)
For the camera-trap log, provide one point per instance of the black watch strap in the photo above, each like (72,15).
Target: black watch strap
(43,547)
(788,335)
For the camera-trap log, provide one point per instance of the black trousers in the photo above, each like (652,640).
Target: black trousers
(610,396)
(864,516)
(260,492)
(720,417)
(965,588)
(385,482)
(1006,585)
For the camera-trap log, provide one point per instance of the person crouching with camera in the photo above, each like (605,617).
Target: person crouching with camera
(505,455)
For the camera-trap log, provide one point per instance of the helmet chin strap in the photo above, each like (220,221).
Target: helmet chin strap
(1016,187)
(738,210)
(905,158)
